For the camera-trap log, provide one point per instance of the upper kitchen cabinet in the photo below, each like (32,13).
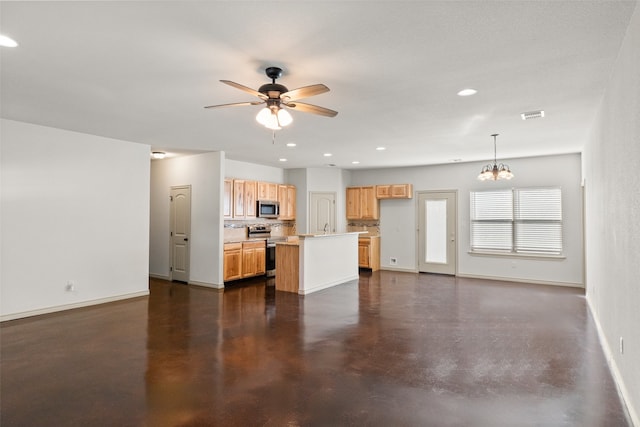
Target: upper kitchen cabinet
(394,191)
(244,198)
(227,210)
(362,203)
(287,200)
(267,191)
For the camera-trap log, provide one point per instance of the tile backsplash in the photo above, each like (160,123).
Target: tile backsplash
(372,227)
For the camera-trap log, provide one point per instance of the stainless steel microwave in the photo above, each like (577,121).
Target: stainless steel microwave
(268,209)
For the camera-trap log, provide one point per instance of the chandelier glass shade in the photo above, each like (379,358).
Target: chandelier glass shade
(495,171)
(273,117)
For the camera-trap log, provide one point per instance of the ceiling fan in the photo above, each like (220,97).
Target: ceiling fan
(276,96)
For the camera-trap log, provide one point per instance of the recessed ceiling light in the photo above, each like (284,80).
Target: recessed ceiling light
(327,154)
(158,154)
(532,115)
(283,160)
(291,144)
(331,165)
(467,92)
(355,162)
(380,148)
(456,160)
(7,41)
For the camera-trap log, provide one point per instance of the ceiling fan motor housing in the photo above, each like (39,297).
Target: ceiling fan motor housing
(273,90)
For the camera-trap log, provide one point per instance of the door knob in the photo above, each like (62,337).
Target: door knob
(186,239)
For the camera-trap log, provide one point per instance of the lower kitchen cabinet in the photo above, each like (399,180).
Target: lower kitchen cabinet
(244,259)
(369,252)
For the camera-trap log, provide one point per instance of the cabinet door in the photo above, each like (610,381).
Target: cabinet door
(248,262)
(402,191)
(363,254)
(227,210)
(369,203)
(282,199)
(250,199)
(267,191)
(353,203)
(232,264)
(383,191)
(238,198)
(261,258)
(291,202)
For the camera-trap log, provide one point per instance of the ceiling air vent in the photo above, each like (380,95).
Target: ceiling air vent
(532,115)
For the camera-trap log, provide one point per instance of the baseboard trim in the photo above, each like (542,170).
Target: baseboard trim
(613,367)
(398,269)
(64,307)
(159,276)
(517,280)
(206,285)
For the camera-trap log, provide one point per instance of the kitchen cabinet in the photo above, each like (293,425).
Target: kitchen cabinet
(227,210)
(232,261)
(394,191)
(253,258)
(287,200)
(369,252)
(244,199)
(362,203)
(244,259)
(267,191)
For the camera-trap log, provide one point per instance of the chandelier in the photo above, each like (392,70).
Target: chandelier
(496,171)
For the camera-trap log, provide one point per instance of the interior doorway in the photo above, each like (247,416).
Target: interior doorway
(180,231)
(437,225)
(322,212)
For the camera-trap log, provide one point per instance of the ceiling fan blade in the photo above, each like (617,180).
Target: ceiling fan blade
(235,104)
(245,88)
(309,108)
(304,92)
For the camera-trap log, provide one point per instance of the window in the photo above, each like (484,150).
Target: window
(521,220)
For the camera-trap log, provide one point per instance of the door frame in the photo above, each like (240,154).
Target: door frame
(186,187)
(455,227)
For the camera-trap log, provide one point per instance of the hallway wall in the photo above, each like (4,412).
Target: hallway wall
(75,209)
(612,177)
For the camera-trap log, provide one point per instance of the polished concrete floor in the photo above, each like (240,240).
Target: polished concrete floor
(394,349)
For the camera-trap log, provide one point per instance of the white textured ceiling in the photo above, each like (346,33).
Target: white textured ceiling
(143,71)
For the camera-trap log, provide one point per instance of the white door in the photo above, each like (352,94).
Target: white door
(180,230)
(437,218)
(322,212)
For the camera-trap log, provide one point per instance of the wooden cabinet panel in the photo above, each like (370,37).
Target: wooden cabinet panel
(287,200)
(362,203)
(253,258)
(394,191)
(369,203)
(369,252)
(227,210)
(238,198)
(250,199)
(353,203)
(267,191)
(232,261)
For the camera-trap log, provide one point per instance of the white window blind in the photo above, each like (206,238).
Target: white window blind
(522,220)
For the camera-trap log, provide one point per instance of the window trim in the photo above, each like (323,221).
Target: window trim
(513,253)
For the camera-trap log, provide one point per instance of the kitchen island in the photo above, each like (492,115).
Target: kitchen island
(316,262)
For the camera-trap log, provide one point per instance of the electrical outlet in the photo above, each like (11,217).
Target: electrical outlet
(621,345)
(71,286)
(393,261)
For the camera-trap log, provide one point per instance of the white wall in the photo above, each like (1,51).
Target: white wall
(75,207)
(612,183)
(205,173)
(398,217)
(252,171)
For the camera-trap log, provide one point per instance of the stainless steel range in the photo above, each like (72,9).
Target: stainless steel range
(263,231)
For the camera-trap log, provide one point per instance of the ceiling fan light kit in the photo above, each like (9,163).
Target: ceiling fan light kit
(496,171)
(276,96)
